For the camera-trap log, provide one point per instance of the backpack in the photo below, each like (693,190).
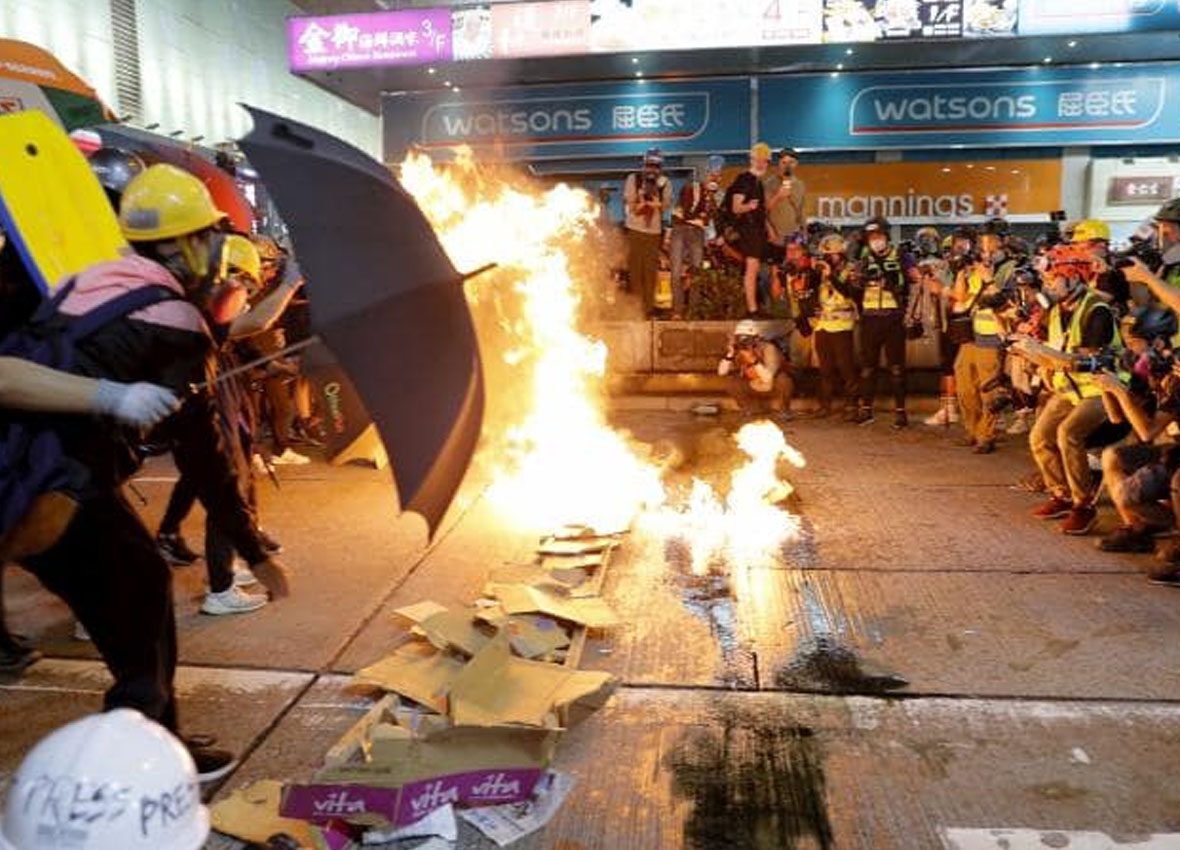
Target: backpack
(725,221)
(33,463)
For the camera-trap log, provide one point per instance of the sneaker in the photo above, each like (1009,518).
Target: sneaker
(232,601)
(1127,538)
(212,763)
(80,632)
(1021,423)
(1080,520)
(967,442)
(945,415)
(900,420)
(259,464)
(243,577)
(175,550)
(1169,552)
(984,448)
(16,655)
(1054,508)
(272,546)
(290,457)
(865,416)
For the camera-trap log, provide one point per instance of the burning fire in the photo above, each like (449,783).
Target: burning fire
(558,461)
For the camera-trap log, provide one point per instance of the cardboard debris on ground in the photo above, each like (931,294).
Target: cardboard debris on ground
(581,531)
(496,688)
(555,546)
(506,824)
(593,612)
(535,636)
(415,670)
(251,814)
(440,823)
(444,627)
(588,563)
(396,767)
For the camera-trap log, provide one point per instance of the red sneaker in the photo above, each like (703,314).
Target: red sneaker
(1080,520)
(1054,508)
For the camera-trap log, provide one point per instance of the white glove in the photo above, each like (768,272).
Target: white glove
(141,405)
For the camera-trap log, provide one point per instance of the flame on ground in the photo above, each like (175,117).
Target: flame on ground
(557,461)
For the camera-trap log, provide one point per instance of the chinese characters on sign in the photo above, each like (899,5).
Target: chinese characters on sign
(648,116)
(366,40)
(871,20)
(555,28)
(1098,104)
(1138,191)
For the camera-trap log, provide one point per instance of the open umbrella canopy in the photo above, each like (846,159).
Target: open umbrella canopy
(385,298)
(32,78)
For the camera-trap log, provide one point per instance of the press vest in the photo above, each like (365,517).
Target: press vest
(983,319)
(1070,340)
(837,312)
(879,295)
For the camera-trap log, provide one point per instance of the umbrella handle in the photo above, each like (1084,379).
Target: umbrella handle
(486,267)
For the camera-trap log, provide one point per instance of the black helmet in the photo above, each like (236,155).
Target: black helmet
(877,224)
(1169,211)
(994,227)
(114,168)
(965,231)
(1017,246)
(1152,323)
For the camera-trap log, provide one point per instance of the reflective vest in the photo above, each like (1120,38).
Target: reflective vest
(879,294)
(983,319)
(1070,340)
(837,312)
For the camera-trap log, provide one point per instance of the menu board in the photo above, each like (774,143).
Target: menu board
(886,20)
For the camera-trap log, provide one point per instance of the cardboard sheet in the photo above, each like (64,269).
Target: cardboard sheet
(446,628)
(593,612)
(415,670)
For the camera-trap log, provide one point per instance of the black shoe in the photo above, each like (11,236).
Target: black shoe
(272,546)
(900,420)
(985,448)
(1127,539)
(211,762)
(865,416)
(16,656)
(175,550)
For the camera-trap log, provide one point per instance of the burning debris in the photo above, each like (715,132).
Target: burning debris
(555,458)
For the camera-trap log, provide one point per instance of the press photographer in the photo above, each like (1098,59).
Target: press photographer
(1080,322)
(760,373)
(646,195)
(1142,476)
(1159,273)
(982,287)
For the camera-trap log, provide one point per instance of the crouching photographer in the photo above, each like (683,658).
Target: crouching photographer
(1144,478)
(1081,323)
(760,373)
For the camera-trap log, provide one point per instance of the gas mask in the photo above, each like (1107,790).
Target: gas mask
(220,297)
(1059,288)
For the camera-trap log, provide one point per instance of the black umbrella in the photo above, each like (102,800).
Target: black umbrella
(385,298)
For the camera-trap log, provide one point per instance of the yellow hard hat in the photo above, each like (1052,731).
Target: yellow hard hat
(238,254)
(760,151)
(1091,229)
(165,202)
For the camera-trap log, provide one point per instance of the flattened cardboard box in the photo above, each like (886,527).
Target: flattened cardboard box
(385,772)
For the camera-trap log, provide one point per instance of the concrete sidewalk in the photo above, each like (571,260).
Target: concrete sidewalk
(924,667)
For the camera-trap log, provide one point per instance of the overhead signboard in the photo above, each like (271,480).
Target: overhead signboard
(471,33)
(1037,106)
(369,40)
(555,28)
(1063,17)
(932,192)
(604,119)
(870,20)
(1131,190)
(619,26)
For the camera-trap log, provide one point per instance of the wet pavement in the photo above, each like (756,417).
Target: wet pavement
(923,666)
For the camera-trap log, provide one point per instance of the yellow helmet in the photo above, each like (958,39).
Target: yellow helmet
(760,151)
(1091,229)
(238,254)
(165,202)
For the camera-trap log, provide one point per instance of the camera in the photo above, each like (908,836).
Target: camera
(649,186)
(1141,250)
(1090,363)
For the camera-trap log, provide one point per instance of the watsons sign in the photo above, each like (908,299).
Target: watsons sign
(1027,107)
(1128,103)
(701,116)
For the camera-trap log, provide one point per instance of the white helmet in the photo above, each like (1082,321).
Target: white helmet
(746,327)
(106,782)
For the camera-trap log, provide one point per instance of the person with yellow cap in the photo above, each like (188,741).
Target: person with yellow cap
(104,564)
(745,202)
(1106,278)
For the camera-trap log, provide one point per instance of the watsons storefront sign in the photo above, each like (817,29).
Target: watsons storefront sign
(700,116)
(996,108)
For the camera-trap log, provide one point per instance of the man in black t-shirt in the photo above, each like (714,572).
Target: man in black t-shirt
(747,204)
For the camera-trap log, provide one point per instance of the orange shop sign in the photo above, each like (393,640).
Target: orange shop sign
(910,192)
